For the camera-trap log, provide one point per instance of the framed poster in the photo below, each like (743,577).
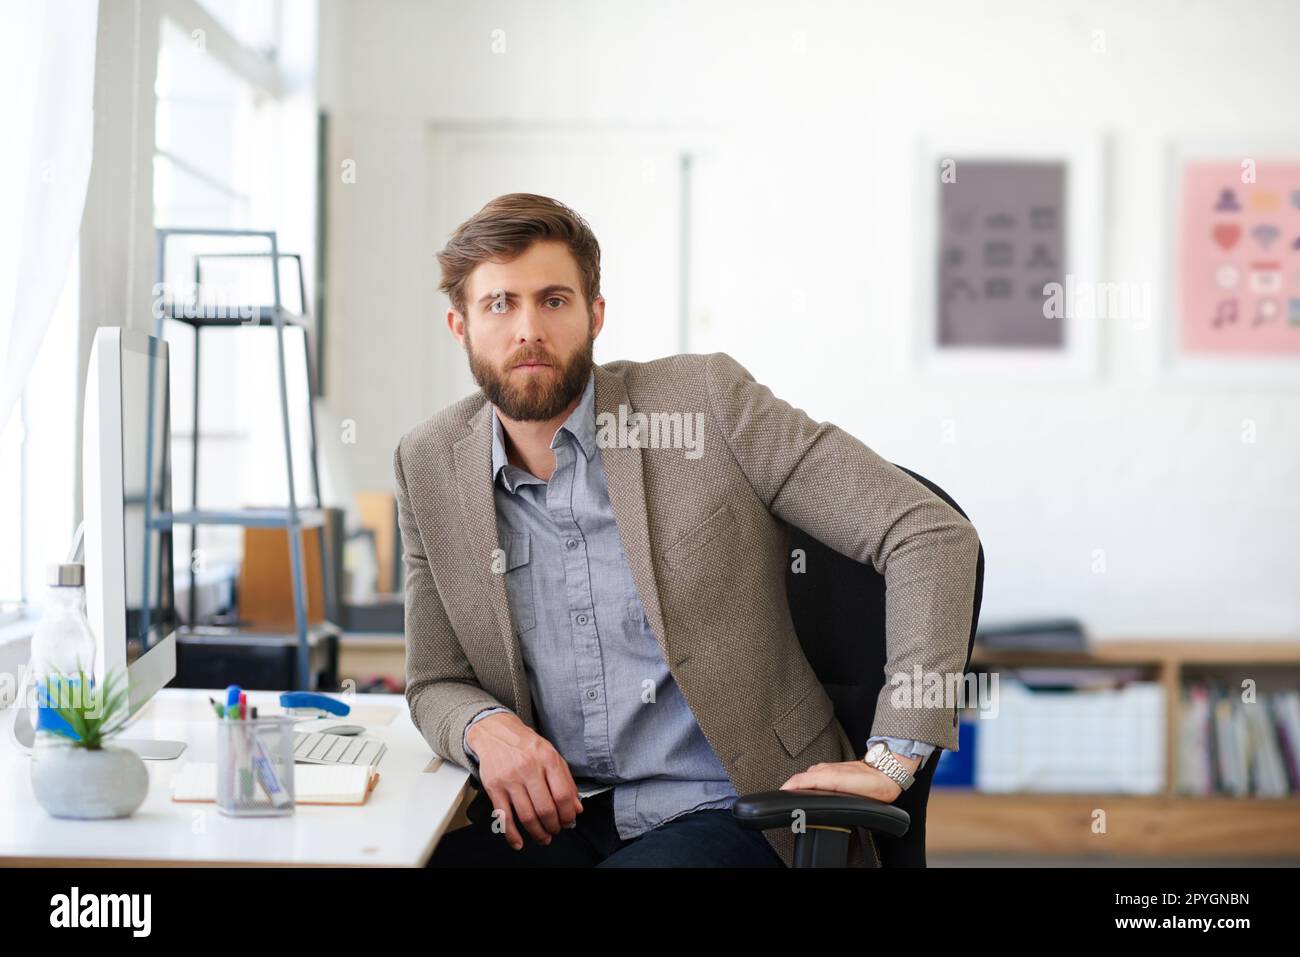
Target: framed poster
(1234,256)
(1009,233)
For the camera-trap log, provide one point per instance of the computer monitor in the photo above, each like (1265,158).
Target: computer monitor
(127,501)
(126,528)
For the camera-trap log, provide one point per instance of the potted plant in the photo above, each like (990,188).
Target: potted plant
(75,772)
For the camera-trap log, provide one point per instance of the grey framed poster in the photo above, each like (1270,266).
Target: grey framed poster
(1002,242)
(1008,229)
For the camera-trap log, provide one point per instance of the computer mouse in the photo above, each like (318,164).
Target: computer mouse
(345,729)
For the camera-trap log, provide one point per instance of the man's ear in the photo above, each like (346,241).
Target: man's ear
(456,326)
(598,316)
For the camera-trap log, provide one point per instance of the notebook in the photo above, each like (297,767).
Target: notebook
(312,783)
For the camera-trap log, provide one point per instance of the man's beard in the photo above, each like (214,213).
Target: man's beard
(532,396)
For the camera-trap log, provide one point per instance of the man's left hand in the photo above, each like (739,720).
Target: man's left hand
(851,777)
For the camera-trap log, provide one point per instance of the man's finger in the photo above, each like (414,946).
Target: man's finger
(527,814)
(851,779)
(564,791)
(539,792)
(823,777)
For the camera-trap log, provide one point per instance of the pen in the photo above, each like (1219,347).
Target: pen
(251,748)
(243,773)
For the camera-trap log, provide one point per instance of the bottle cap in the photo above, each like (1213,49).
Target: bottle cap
(65,574)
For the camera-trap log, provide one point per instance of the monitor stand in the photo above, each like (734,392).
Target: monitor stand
(152,750)
(24,736)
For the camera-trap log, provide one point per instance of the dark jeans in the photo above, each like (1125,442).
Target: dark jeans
(706,838)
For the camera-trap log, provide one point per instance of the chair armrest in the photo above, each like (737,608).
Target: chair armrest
(764,810)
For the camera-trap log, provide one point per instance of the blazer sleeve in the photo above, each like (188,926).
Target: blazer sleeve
(441,689)
(821,479)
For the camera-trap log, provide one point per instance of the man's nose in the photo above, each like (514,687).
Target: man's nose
(530,328)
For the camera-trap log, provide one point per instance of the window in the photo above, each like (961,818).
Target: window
(225,157)
(38,462)
(37,442)
(211,131)
(233,78)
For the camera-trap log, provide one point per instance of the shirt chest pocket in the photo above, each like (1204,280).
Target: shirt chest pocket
(519,580)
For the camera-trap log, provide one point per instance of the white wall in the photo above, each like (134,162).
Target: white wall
(810,240)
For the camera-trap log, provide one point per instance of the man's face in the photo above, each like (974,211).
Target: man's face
(528,331)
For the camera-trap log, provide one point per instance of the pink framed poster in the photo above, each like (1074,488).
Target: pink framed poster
(1237,259)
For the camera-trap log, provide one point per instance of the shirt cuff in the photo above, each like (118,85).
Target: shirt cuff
(465,737)
(906,747)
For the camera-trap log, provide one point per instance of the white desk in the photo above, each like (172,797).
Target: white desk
(399,825)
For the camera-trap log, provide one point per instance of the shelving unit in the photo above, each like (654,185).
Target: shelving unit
(292,517)
(1164,825)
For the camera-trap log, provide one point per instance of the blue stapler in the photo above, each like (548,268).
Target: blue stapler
(310,704)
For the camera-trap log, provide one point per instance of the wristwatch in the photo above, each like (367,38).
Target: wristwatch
(880,758)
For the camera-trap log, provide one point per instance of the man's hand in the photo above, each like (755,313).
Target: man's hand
(525,777)
(850,777)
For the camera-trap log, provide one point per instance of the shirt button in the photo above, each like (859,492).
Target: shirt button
(582,619)
(571,543)
(591,694)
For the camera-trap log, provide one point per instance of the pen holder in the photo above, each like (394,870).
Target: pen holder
(255,767)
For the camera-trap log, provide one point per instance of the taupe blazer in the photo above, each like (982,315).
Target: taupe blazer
(701,532)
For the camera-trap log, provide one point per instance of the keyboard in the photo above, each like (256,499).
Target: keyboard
(310,747)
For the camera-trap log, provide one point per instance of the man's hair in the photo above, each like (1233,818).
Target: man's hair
(504,229)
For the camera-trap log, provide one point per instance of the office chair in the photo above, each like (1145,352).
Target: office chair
(838,608)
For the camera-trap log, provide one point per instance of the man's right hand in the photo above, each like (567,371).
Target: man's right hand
(525,777)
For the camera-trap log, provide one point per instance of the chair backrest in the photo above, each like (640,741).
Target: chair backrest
(838,608)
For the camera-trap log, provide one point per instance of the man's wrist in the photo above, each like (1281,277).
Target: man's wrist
(912,764)
(469,752)
(912,754)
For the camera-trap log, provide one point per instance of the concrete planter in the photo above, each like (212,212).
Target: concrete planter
(77,783)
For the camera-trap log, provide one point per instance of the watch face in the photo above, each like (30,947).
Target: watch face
(875,752)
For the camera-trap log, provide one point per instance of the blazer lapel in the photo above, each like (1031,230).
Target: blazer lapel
(624,476)
(473,463)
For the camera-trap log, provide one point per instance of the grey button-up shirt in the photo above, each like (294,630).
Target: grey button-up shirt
(602,691)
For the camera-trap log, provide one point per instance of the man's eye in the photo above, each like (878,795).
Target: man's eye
(558,299)
(492,307)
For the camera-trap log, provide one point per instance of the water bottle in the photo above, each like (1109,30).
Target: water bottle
(63,647)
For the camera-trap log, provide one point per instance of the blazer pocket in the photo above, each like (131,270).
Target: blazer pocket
(519,580)
(803,723)
(700,535)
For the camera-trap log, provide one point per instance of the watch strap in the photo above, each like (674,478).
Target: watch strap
(889,766)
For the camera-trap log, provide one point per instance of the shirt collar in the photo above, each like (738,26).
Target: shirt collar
(581,424)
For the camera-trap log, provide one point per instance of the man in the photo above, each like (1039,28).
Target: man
(596,616)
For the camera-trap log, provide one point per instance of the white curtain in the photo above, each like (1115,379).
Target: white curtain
(47,80)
